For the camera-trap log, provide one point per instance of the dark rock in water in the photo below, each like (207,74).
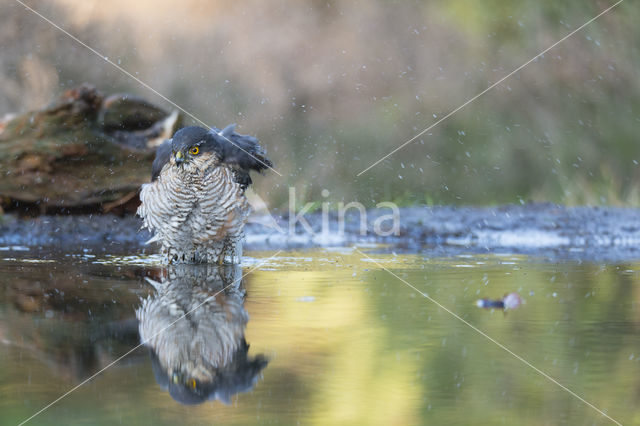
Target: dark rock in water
(74,154)
(508,302)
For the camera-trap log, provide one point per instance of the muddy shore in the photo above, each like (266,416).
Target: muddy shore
(545,230)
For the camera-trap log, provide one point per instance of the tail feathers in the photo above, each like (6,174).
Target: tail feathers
(153,239)
(154,283)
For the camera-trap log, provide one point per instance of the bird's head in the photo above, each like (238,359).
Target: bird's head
(193,146)
(195,149)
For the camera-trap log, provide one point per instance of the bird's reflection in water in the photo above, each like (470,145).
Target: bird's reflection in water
(202,355)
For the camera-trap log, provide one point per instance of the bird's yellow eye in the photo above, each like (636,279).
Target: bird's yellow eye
(195,150)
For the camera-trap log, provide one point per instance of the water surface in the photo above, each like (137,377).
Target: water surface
(331,337)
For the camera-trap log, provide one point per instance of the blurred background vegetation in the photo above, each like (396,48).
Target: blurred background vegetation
(331,86)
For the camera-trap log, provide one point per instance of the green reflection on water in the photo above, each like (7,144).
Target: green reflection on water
(346,342)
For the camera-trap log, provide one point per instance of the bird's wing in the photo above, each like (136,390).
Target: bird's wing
(163,153)
(243,151)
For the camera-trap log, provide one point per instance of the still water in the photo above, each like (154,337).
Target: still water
(324,337)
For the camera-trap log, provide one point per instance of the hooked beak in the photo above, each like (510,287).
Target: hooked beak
(179,157)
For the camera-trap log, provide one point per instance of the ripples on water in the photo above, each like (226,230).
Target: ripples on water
(323,336)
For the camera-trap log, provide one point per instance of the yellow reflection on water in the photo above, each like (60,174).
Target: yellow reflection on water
(348,343)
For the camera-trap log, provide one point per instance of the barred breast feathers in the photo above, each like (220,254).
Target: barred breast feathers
(183,208)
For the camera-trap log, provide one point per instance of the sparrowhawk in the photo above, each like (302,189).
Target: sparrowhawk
(195,203)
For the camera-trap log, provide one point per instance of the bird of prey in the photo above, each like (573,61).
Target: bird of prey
(195,203)
(194,326)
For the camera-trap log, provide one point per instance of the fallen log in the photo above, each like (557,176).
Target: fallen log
(84,151)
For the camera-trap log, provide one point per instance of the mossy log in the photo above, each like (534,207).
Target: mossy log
(83,151)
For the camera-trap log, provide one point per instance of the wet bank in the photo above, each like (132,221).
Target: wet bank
(545,230)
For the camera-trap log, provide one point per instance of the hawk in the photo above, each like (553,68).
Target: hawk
(195,203)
